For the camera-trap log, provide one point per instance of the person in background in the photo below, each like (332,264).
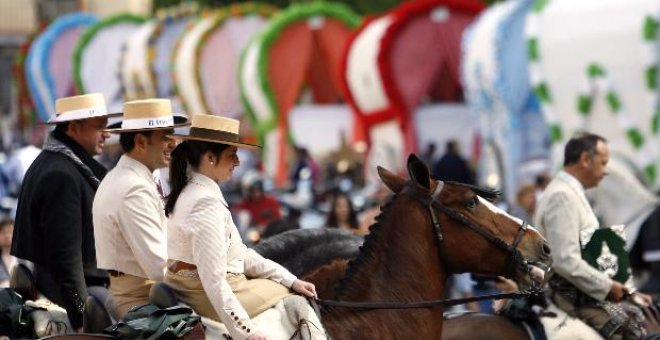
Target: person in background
(262,208)
(209,266)
(54,215)
(525,203)
(130,227)
(540,183)
(462,286)
(342,214)
(8,261)
(378,199)
(429,154)
(304,168)
(452,166)
(565,218)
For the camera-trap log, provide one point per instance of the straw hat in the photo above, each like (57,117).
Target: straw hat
(215,129)
(79,107)
(148,114)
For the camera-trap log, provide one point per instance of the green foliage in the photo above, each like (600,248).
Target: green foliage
(359,6)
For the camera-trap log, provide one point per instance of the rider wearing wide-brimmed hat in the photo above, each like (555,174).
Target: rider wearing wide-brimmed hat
(54,215)
(129,220)
(209,267)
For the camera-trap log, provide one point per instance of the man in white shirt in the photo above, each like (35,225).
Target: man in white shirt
(566,220)
(128,211)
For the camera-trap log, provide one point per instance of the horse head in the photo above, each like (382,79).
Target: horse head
(471,233)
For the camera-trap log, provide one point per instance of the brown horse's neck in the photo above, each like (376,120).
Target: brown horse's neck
(396,264)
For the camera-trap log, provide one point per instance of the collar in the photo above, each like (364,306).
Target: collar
(575,185)
(207,183)
(571,180)
(129,162)
(97,169)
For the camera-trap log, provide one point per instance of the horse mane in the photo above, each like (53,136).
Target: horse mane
(370,246)
(326,277)
(303,250)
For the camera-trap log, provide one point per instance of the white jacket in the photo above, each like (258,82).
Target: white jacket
(130,227)
(201,232)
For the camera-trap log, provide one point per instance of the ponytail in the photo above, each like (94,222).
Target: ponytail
(187,152)
(178,175)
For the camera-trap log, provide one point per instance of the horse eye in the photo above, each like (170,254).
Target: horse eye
(471,204)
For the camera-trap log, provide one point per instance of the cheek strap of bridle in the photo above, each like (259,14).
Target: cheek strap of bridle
(434,217)
(514,258)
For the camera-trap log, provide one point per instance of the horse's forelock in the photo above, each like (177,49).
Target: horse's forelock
(487,193)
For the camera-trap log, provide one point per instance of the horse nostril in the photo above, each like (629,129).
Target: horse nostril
(546,248)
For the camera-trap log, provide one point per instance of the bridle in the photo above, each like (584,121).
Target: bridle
(514,261)
(514,257)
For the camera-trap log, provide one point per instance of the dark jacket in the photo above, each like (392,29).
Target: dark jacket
(53,225)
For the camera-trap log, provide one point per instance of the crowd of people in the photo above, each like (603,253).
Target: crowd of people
(83,228)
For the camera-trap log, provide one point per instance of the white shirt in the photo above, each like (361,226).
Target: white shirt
(130,227)
(201,232)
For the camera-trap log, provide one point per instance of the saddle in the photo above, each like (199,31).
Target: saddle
(281,321)
(45,317)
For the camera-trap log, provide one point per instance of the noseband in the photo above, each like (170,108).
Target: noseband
(514,257)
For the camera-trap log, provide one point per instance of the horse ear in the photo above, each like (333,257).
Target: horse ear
(419,172)
(392,181)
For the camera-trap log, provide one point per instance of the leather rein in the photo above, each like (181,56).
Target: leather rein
(431,201)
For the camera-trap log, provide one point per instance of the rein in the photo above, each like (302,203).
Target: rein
(431,202)
(426,304)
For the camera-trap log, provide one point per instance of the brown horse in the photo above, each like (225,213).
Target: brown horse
(427,231)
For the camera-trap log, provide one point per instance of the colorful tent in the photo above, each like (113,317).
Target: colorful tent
(207,56)
(27,112)
(97,54)
(513,132)
(146,61)
(395,61)
(594,65)
(49,61)
(303,45)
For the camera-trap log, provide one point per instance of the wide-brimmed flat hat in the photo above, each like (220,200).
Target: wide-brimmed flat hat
(148,114)
(85,106)
(215,129)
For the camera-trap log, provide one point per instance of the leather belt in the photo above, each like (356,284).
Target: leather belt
(115,273)
(177,266)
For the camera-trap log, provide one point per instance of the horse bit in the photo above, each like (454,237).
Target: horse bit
(515,257)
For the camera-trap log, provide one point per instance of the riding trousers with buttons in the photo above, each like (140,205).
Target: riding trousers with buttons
(255,295)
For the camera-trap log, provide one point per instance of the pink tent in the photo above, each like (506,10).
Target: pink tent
(397,61)
(302,46)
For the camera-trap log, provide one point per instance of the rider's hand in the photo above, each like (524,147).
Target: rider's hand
(305,288)
(258,336)
(617,292)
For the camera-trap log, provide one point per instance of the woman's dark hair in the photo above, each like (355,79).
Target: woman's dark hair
(331,221)
(188,152)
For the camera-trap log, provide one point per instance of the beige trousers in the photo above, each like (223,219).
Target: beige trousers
(255,295)
(126,292)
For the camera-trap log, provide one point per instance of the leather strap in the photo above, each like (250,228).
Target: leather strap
(177,266)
